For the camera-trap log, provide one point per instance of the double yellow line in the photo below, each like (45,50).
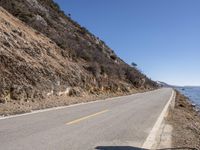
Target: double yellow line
(86,117)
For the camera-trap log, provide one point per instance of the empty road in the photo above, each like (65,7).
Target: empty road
(102,125)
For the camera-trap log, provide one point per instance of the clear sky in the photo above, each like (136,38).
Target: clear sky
(161,36)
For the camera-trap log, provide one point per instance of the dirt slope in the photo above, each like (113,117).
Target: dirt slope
(47,54)
(75,41)
(32,65)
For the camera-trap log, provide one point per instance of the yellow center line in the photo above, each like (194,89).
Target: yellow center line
(86,117)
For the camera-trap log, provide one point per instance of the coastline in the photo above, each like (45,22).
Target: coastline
(190,96)
(185,120)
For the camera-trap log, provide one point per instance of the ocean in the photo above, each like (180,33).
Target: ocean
(193,93)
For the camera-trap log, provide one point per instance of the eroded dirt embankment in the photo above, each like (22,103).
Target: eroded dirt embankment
(186,124)
(36,73)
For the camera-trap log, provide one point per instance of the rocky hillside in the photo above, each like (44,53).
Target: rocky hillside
(45,53)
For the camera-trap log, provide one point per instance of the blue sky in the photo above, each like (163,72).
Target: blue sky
(161,36)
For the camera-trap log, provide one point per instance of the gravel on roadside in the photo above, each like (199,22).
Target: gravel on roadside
(186,124)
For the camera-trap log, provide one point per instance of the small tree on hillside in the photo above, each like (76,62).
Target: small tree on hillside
(133,64)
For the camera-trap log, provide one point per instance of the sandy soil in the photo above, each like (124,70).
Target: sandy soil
(186,124)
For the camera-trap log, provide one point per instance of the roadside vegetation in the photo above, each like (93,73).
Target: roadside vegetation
(49,55)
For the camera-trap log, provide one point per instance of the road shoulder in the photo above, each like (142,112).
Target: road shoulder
(156,138)
(186,124)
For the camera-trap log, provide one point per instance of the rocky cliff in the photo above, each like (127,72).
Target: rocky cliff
(45,53)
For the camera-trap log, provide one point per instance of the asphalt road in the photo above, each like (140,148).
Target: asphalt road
(114,124)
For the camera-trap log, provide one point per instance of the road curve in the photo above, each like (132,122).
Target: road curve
(118,123)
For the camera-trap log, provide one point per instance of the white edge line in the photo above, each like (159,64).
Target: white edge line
(63,107)
(50,109)
(150,140)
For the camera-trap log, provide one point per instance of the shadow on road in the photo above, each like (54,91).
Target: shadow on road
(136,148)
(118,148)
(179,148)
